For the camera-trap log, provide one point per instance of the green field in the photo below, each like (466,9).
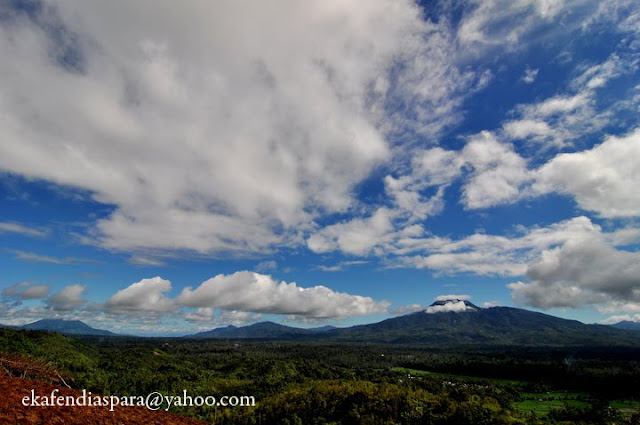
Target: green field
(530,402)
(542,404)
(463,378)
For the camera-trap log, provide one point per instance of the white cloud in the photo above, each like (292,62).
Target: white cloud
(560,105)
(145,296)
(10,227)
(229,129)
(511,24)
(356,236)
(451,306)
(619,306)
(342,265)
(453,297)
(498,172)
(583,271)
(530,75)
(563,119)
(207,316)
(476,262)
(201,314)
(31,256)
(264,266)
(246,291)
(69,298)
(486,254)
(142,260)
(238,318)
(621,318)
(26,290)
(35,292)
(406,309)
(603,179)
(525,128)
(496,175)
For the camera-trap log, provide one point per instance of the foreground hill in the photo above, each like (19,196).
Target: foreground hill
(70,327)
(451,322)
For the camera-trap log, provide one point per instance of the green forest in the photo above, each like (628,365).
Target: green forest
(316,383)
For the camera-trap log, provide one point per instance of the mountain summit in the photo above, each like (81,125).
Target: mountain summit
(70,327)
(456,305)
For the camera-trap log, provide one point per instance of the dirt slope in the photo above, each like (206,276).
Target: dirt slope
(12,411)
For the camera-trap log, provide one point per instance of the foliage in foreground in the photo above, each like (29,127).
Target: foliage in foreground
(344,384)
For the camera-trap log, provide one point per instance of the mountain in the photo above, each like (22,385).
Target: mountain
(491,326)
(627,324)
(451,322)
(262,330)
(323,328)
(71,327)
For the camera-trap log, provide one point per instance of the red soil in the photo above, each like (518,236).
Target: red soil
(12,411)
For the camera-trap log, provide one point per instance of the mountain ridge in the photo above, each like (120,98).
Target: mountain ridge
(68,327)
(471,326)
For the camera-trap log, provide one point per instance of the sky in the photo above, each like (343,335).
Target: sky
(169,167)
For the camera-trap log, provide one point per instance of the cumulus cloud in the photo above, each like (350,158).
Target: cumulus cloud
(480,253)
(583,271)
(228,137)
(496,175)
(145,296)
(356,236)
(621,318)
(69,298)
(209,316)
(527,128)
(487,254)
(405,309)
(603,179)
(247,291)
(35,292)
(498,172)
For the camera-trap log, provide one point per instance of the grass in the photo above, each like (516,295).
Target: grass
(542,404)
(463,378)
(538,403)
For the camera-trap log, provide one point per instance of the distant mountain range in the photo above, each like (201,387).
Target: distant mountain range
(443,323)
(627,324)
(263,330)
(71,327)
(449,322)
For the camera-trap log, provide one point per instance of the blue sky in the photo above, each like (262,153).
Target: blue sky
(167,168)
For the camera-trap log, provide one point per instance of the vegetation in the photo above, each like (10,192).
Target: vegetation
(316,383)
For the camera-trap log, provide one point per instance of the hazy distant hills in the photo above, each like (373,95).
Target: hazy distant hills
(71,327)
(626,324)
(262,330)
(444,323)
(449,322)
